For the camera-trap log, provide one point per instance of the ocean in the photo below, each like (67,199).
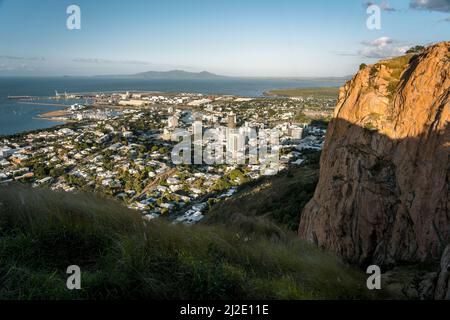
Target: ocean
(16,117)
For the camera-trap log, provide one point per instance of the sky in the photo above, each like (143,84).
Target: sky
(270,38)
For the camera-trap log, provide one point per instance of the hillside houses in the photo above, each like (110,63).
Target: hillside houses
(124,153)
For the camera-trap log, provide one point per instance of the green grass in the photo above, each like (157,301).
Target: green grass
(279,199)
(397,66)
(398,63)
(370,127)
(121,257)
(324,93)
(392,87)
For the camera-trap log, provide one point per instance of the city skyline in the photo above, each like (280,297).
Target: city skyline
(255,38)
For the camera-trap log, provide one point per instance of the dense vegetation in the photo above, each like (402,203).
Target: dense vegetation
(121,256)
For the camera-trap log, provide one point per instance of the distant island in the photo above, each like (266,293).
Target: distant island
(206,75)
(170,75)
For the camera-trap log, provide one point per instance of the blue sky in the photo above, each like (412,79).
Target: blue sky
(230,37)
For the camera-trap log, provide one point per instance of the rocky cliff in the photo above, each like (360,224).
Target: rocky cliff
(384,193)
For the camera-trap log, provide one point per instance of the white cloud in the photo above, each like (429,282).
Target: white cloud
(383,47)
(383,41)
(20,58)
(385,6)
(431,5)
(105,61)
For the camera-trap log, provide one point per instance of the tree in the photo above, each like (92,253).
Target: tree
(235,174)
(56,172)
(221,184)
(40,171)
(137,186)
(362,66)
(302,118)
(416,49)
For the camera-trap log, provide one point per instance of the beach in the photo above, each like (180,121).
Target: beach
(54,114)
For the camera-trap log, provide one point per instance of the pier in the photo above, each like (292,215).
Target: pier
(20,97)
(46,104)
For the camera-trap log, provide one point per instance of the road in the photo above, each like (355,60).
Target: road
(154,183)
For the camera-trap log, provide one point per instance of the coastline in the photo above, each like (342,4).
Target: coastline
(60,113)
(53,115)
(317,92)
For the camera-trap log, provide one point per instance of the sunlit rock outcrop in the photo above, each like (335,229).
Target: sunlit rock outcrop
(383,195)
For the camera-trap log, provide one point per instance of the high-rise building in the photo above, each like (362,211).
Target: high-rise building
(197,127)
(236,146)
(296,133)
(232,145)
(173,122)
(232,120)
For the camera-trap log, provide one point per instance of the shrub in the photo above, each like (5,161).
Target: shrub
(416,49)
(392,87)
(373,71)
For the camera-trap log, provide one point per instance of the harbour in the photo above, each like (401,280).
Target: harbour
(22,99)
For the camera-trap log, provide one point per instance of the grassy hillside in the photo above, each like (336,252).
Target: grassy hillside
(320,93)
(279,199)
(121,257)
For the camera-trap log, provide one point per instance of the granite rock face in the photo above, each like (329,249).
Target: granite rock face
(384,192)
(443,281)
